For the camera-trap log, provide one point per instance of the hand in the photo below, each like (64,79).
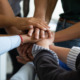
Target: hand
(24,54)
(28,23)
(13,30)
(46,42)
(39,33)
(27,39)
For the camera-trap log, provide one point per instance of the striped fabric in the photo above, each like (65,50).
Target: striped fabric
(36,49)
(72,56)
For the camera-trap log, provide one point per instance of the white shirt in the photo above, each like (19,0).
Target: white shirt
(9,43)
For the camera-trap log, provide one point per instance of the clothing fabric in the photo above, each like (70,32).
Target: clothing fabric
(15,4)
(48,69)
(36,49)
(9,43)
(13,53)
(26,72)
(71,9)
(68,44)
(72,58)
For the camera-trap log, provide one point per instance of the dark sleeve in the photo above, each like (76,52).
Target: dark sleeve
(48,69)
(78,63)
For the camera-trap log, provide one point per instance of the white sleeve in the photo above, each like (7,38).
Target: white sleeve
(9,43)
(72,56)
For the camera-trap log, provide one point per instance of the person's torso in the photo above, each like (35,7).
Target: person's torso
(15,4)
(71,9)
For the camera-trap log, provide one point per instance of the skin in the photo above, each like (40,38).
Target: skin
(20,23)
(40,9)
(61,52)
(50,9)
(62,35)
(73,32)
(43,11)
(25,54)
(8,12)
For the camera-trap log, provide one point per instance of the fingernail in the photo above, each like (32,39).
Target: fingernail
(43,36)
(45,29)
(30,34)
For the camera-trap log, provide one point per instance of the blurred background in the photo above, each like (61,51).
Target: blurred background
(5,58)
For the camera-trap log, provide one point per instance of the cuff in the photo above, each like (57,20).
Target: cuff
(36,49)
(72,56)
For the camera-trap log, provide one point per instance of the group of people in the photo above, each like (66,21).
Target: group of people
(33,39)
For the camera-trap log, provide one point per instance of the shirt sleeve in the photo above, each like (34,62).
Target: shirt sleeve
(72,57)
(9,43)
(36,49)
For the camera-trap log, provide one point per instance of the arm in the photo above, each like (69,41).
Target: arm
(5,9)
(40,9)
(9,43)
(69,56)
(20,23)
(50,8)
(48,69)
(61,52)
(44,9)
(70,33)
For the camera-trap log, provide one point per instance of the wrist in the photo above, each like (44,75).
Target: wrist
(39,16)
(21,39)
(24,39)
(43,45)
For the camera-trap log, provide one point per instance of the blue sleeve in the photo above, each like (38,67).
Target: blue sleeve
(9,43)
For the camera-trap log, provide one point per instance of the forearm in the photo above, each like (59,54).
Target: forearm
(6,10)
(6,21)
(40,8)
(47,67)
(61,52)
(50,8)
(70,33)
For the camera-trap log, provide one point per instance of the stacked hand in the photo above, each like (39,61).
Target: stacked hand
(38,32)
(25,51)
(25,54)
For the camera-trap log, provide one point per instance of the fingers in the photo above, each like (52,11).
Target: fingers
(30,32)
(49,33)
(42,34)
(21,60)
(37,31)
(25,49)
(29,52)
